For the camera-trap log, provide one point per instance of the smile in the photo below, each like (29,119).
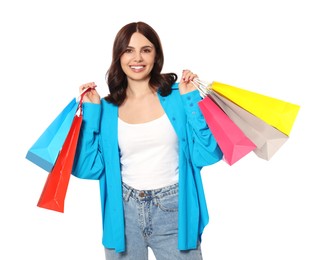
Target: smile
(137,67)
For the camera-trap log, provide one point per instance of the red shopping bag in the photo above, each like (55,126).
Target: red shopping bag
(232,141)
(55,189)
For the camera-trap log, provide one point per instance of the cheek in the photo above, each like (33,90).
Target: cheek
(126,58)
(123,60)
(150,59)
(124,63)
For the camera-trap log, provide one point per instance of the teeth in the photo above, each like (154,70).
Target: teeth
(136,67)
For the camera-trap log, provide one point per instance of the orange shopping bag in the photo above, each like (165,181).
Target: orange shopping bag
(55,189)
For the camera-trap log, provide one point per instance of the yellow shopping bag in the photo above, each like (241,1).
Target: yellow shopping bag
(278,113)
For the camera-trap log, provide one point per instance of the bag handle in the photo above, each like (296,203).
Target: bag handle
(80,98)
(203,87)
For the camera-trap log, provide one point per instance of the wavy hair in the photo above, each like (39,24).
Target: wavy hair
(116,78)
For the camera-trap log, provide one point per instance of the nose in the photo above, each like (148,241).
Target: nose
(138,56)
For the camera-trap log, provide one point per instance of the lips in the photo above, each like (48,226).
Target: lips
(137,67)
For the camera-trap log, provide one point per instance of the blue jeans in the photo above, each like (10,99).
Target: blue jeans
(151,221)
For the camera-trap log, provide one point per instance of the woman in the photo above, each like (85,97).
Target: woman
(146,143)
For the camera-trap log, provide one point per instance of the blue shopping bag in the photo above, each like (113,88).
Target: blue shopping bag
(45,150)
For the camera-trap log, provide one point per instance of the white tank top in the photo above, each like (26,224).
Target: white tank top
(148,154)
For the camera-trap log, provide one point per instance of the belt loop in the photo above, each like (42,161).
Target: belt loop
(127,194)
(154,198)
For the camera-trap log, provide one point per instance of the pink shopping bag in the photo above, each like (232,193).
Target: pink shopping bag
(232,141)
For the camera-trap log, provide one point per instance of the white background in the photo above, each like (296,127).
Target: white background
(260,210)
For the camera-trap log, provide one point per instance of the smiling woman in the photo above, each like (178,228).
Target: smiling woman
(258,209)
(146,142)
(142,104)
(138,59)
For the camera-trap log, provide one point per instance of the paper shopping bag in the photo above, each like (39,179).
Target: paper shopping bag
(45,150)
(267,139)
(55,189)
(230,138)
(277,113)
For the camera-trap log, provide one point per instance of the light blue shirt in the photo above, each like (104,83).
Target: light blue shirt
(97,158)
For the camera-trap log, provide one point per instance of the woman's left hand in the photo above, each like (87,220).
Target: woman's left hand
(185,84)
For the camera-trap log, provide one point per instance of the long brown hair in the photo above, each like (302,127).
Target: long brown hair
(117,79)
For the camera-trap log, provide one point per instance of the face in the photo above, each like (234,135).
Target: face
(138,59)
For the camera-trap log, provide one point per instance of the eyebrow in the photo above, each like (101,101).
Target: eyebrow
(143,47)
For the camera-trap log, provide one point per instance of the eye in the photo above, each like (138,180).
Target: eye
(147,50)
(128,50)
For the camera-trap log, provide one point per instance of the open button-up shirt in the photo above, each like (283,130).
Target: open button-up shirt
(97,157)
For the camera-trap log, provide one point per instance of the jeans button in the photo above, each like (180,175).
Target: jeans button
(141,194)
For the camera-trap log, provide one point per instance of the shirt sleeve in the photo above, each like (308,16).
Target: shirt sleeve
(88,163)
(203,146)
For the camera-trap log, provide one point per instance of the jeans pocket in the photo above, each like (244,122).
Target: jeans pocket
(168,203)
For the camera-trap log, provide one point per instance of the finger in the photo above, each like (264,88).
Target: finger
(185,75)
(188,75)
(86,86)
(193,76)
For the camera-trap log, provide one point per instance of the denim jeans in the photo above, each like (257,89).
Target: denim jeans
(151,221)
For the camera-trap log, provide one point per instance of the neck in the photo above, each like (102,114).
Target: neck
(139,89)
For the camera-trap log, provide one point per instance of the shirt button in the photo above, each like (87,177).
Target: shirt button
(173,118)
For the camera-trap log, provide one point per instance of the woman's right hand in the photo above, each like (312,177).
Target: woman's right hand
(92,95)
